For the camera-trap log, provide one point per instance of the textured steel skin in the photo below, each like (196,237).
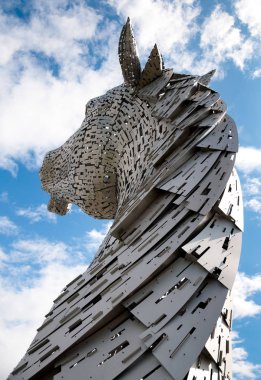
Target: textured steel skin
(157,155)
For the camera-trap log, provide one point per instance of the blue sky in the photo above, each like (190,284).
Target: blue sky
(56,55)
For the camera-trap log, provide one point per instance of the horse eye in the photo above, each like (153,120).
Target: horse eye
(104,107)
(96,109)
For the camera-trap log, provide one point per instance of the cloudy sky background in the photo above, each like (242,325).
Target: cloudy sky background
(57,54)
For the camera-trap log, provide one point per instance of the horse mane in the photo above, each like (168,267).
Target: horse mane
(192,127)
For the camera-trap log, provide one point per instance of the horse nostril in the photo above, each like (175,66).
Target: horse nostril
(58,205)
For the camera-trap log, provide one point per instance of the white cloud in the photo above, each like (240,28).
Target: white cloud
(37,214)
(244,306)
(38,250)
(244,289)
(3,255)
(57,35)
(248,159)
(254,204)
(176,28)
(242,368)
(8,163)
(256,73)
(41,269)
(222,40)
(4,197)
(95,237)
(249,12)
(176,21)
(7,227)
(28,139)
(23,310)
(252,186)
(39,111)
(34,254)
(252,193)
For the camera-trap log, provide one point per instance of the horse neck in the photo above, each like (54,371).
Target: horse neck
(137,139)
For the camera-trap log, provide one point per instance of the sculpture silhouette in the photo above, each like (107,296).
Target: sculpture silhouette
(156,154)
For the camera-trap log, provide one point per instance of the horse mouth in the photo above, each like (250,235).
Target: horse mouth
(58,205)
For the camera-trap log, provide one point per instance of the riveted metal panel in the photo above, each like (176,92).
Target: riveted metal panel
(156,303)
(223,137)
(231,203)
(176,342)
(146,367)
(217,249)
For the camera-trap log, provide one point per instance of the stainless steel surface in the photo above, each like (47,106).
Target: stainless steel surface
(156,154)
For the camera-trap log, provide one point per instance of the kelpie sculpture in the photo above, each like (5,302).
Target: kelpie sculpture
(155,154)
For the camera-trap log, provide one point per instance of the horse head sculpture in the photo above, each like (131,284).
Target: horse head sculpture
(155,154)
(99,167)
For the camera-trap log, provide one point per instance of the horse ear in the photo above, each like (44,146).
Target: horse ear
(129,59)
(153,68)
(205,79)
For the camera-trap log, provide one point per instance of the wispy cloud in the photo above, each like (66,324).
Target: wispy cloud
(179,25)
(248,11)
(244,290)
(35,253)
(7,227)
(242,368)
(58,35)
(23,309)
(252,186)
(4,197)
(38,251)
(249,159)
(47,64)
(50,55)
(252,194)
(7,162)
(176,22)
(256,73)
(3,256)
(38,271)
(95,237)
(248,162)
(254,204)
(222,40)
(37,214)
